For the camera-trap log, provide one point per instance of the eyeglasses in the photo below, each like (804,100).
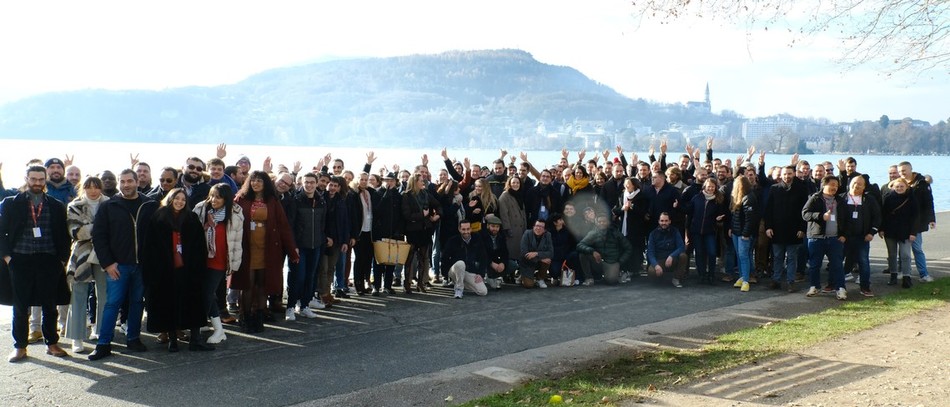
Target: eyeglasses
(195,168)
(167,180)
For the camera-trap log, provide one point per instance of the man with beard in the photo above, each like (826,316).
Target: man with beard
(605,247)
(166,182)
(613,188)
(500,265)
(108,184)
(57,186)
(34,245)
(785,227)
(467,260)
(542,200)
(192,181)
(74,175)
(498,177)
(120,225)
(666,251)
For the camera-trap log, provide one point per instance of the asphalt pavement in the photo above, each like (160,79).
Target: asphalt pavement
(421,349)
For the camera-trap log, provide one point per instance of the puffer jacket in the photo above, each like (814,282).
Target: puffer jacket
(79,218)
(745,218)
(609,242)
(235,233)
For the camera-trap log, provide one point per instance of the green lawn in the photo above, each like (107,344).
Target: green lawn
(627,377)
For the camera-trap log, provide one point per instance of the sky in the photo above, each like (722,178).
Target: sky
(51,46)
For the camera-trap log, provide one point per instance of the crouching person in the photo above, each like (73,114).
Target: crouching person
(537,250)
(500,266)
(666,251)
(607,247)
(467,260)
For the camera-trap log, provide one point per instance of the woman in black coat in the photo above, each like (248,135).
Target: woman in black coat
(630,215)
(174,266)
(900,215)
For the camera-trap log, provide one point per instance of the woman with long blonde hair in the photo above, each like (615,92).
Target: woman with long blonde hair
(743,227)
(421,211)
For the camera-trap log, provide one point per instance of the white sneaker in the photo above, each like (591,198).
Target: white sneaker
(498,282)
(857,280)
(124,328)
(842,294)
(812,291)
(289,315)
(458,293)
(306,312)
(625,277)
(676,283)
(316,304)
(78,346)
(927,279)
(849,277)
(589,282)
(541,284)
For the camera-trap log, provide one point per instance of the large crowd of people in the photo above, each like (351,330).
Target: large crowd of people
(206,244)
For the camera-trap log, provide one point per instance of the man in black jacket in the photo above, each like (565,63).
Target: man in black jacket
(785,226)
(118,230)
(387,224)
(499,261)
(466,258)
(34,245)
(926,218)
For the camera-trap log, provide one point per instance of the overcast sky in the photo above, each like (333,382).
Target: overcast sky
(54,46)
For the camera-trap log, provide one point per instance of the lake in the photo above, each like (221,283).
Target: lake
(94,156)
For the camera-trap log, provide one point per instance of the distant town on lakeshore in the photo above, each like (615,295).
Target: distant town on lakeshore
(461,99)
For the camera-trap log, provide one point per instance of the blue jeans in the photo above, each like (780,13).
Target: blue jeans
(817,250)
(340,273)
(857,250)
(706,255)
(128,285)
(920,259)
(300,279)
(743,255)
(784,257)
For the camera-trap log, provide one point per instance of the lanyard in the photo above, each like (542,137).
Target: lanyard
(36,214)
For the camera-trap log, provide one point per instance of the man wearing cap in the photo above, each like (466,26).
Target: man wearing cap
(34,245)
(467,260)
(57,186)
(499,263)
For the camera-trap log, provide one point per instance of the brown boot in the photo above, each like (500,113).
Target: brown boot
(328,301)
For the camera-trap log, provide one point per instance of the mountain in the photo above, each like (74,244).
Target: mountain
(458,98)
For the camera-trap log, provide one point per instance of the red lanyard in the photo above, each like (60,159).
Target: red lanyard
(36,214)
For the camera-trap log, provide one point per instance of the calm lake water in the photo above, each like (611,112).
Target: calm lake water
(93,157)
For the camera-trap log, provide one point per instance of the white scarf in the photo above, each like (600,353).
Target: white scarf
(627,196)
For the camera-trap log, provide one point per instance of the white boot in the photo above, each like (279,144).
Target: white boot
(218,334)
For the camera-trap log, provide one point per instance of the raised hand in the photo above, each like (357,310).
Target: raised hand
(69,160)
(133,160)
(370,157)
(267,165)
(524,156)
(297,167)
(564,153)
(581,154)
(606,154)
(425,160)
(445,154)
(709,143)
(663,146)
(222,150)
(619,150)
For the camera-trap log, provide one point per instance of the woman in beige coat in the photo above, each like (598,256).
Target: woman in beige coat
(223,224)
(512,214)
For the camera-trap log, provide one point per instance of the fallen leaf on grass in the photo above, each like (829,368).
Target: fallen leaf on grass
(651,388)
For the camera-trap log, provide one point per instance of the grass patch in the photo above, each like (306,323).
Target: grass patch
(626,378)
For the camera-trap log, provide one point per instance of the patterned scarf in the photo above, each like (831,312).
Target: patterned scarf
(217,216)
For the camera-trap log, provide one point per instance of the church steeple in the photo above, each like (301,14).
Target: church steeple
(708,104)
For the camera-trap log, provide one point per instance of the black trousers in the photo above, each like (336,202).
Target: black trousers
(35,279)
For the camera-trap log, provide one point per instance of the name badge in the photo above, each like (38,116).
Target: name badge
(253,225)
(178,248)
(854,215)
(37,233)
(832,218)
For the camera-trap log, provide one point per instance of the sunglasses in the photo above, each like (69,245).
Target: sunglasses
(195,168)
